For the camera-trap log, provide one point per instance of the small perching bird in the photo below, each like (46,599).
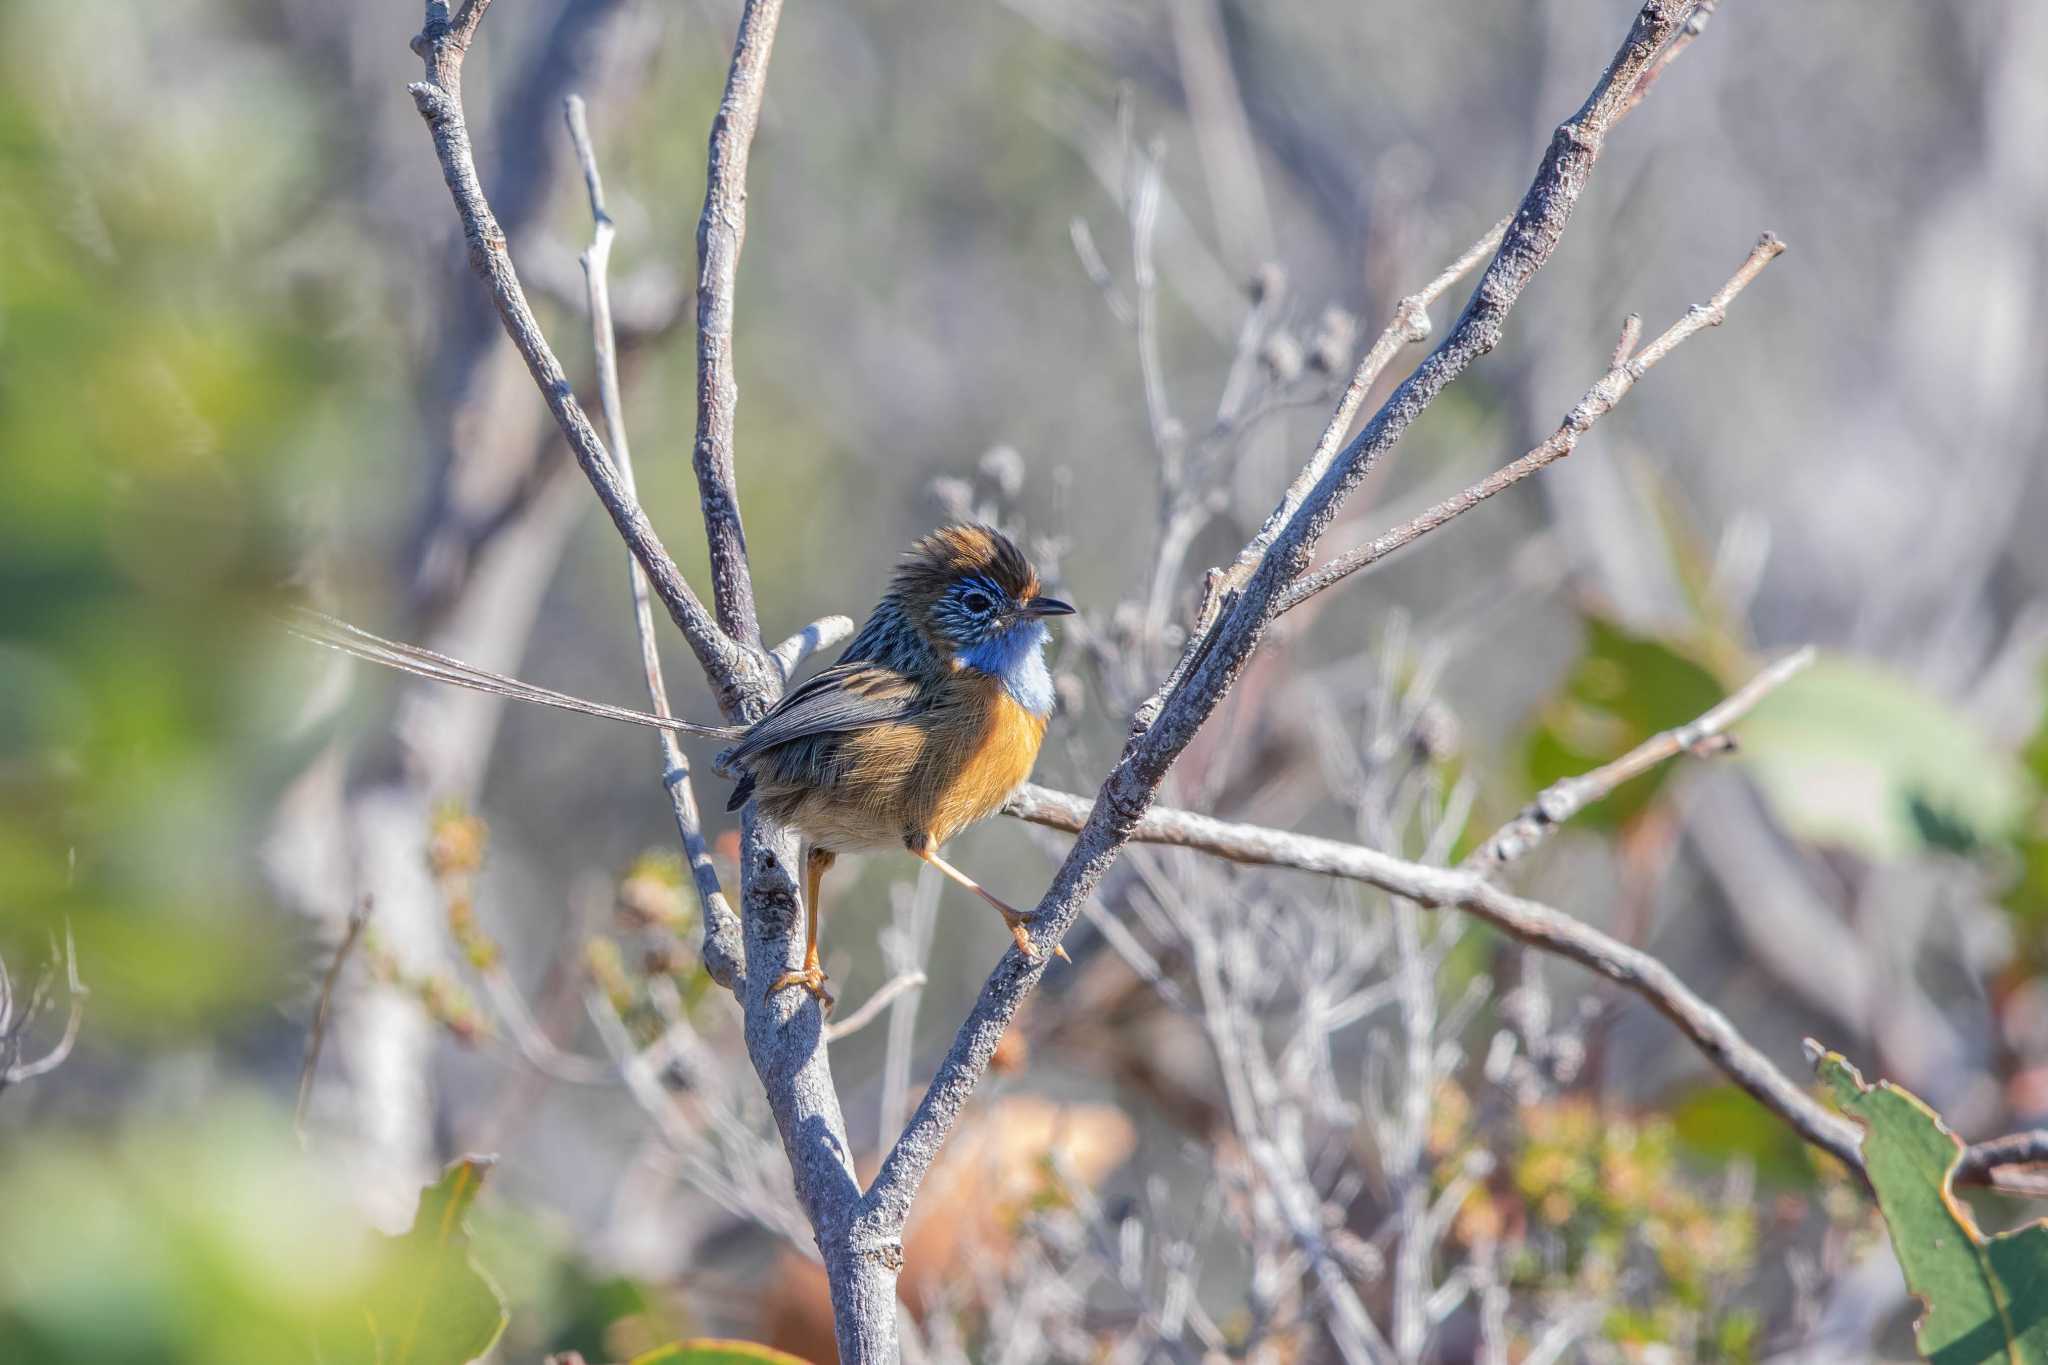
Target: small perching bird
(929,722)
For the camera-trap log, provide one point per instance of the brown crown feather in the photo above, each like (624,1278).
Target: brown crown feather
(950,552)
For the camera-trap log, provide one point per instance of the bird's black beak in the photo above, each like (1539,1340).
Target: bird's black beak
(1047,606)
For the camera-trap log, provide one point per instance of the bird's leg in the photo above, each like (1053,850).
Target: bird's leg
(812,977)
(1018,921)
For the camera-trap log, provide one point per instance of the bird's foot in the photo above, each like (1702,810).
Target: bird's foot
(1020,930)
(812,978)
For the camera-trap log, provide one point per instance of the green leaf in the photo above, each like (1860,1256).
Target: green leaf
(1623,689)
(712,1351)
(430,1304)
(2028,895)
(1849,754)
(1986,1298)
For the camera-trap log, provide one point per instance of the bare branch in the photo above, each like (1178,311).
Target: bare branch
(1552,931)
(820,634)
(723,955)
(721,232)
(11,1029)
(1695,24)
(872,1007)
(1410,324)
(1992,1163)
(1538,925)
(1599,400)
(1563,799)
(1216,657)
(317,1035)
(441,46)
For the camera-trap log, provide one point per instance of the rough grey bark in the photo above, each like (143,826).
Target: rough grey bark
(721,232)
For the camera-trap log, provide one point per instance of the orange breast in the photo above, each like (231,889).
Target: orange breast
(979,750)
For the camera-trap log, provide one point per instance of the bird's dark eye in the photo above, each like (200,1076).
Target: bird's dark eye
(976,602)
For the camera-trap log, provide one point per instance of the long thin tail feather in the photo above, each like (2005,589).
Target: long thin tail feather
(322,629)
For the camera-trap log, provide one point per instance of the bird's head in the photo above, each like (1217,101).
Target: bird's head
(975,598)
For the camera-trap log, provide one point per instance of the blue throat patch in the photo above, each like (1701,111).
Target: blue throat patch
(1017,657)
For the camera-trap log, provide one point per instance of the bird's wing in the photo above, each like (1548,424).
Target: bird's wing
(846,696)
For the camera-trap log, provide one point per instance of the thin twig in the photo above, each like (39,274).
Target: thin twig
(1565,798)
(1599,400)
(872,1007)
(723,955)
(76,993)
(2003,1164)
(531,1041)
(819,635)
(352,931)
(1695,24)
(1410,324)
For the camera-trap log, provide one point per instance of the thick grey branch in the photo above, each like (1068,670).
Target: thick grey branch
(721,231)
(1220,654)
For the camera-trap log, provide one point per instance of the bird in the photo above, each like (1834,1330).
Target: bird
(927,723)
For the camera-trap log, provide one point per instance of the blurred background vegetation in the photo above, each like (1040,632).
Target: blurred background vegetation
(241,361)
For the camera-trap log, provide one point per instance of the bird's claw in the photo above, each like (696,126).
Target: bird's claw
(812,979)
(1020,930)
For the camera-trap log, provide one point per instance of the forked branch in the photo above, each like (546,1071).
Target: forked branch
(443,42)
(1599,400)
(1215,657)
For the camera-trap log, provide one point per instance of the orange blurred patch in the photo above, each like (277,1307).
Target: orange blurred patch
(994,1171)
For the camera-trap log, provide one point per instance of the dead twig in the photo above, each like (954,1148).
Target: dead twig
(1565,798)
(317,1035)
(872,1007)
(1599,400)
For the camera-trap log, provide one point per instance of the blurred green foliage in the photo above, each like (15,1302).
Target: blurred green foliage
(1850,754)
(1716,1124)
(427,1303)
(2028,896)
(1847,753)
(151,404)
(223,1242)
(215,1242)
(1598,1203)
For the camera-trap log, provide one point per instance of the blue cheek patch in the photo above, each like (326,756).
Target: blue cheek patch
(1017,657)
